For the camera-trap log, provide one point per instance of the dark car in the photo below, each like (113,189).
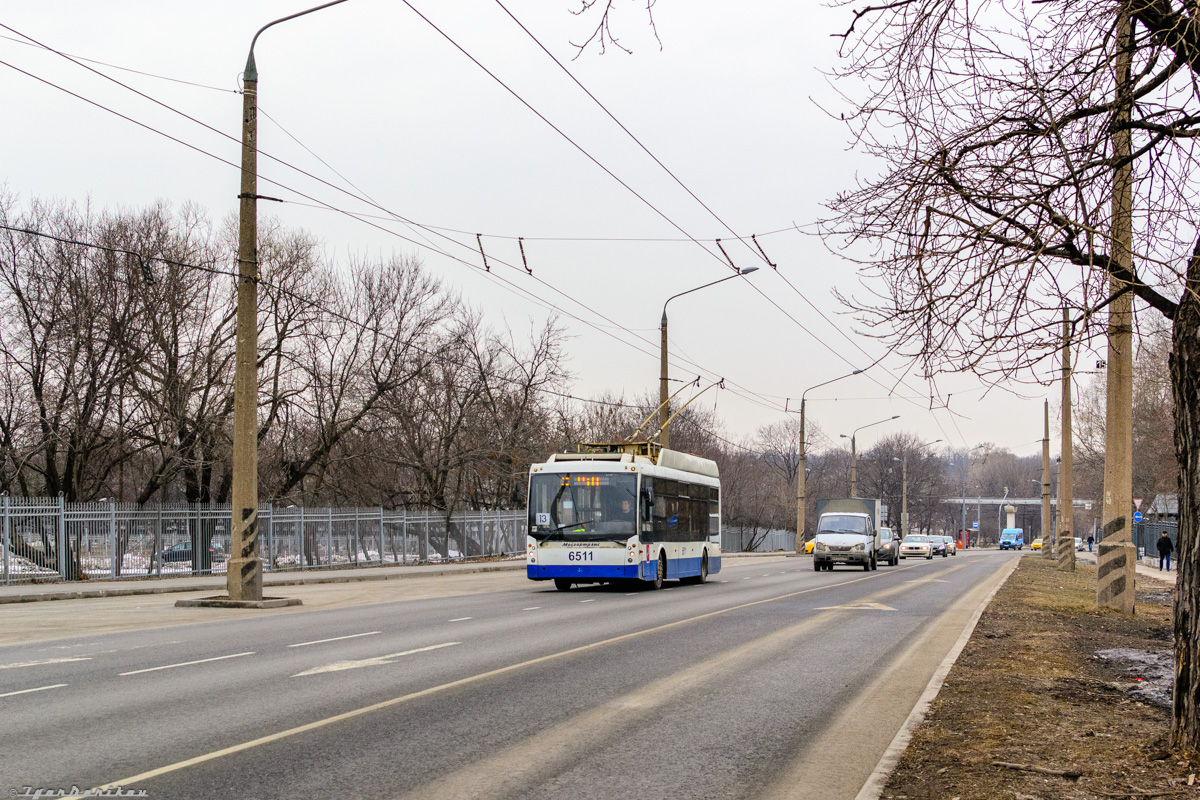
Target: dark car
(889,547)
(939,546)
(183,552)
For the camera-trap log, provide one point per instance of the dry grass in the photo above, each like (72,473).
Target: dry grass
(1028,689)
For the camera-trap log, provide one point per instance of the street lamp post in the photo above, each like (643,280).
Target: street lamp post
(1000,514)
(244,574)
(663,409)
(963,472)
(904,490)
(854,451)
(801,500)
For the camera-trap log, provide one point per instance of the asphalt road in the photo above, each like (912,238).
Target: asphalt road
(769,681)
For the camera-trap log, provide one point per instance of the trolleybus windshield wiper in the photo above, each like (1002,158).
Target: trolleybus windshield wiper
(581,523)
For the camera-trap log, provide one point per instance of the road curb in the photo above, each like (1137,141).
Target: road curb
(84,594)
(875,784)
(280,579)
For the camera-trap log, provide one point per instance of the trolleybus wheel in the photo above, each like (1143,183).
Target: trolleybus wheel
(562,584)
(703,576)
(660,574)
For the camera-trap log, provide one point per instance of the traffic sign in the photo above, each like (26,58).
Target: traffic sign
(975,525)
(1137,503)
(1137,516)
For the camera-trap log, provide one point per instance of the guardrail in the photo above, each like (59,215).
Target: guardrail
(46,539)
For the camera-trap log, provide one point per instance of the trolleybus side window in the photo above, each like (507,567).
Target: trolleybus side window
(682,511)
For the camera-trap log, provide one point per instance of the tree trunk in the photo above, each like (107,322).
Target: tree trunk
(1185,382)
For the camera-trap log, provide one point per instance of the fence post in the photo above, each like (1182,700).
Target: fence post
(61,535)
(329,536)
(302,559)
(269,564)
(7,573)
(355,559)
(157,556)
(425,550)
(404,536)
(112,527)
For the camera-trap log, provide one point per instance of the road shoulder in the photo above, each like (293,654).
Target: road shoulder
(1052,697)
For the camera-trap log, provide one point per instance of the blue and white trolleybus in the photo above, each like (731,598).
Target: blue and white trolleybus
(626,511)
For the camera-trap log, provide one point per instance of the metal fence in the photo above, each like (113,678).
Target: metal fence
(46,539)
(1146,536)
(742,540)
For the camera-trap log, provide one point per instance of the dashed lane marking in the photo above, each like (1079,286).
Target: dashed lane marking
(334,639)
(43,662)
(185,664)
(38,689)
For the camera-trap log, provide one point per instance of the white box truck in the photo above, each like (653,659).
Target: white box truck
(847,533)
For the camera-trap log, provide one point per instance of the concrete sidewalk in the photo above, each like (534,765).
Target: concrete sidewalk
(58,590)
(1142,567)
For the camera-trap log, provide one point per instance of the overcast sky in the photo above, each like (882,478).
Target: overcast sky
(368,93)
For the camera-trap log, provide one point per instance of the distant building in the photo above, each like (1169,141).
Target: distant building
(1165,508)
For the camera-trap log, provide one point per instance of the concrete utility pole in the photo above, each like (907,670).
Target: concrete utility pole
(1047,531)
(801,500)
(1117,555)
(244,569)
(664,410)
(1066,481)
(854,451)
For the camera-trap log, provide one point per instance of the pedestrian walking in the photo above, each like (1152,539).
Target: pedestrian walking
(1091,541)
(1165,546)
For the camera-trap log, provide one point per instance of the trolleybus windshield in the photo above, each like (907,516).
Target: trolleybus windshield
(581,506)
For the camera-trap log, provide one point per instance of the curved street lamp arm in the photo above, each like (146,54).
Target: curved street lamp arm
(826,383)
(251,69)
(869,424)
(741,273)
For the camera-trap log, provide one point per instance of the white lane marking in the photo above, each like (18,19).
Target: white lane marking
(588,601)
(334,639)
(472,679)
(461,619)
(338,666)
(722,581)
(857,607)
(43,661)
(531,608)
(38,689)
(186,664)
(630,594)
(927,580)
(745,579)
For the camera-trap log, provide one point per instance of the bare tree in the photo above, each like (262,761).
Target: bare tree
(993,123)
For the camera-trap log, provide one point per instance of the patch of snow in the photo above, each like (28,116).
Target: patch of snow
(1155,668)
